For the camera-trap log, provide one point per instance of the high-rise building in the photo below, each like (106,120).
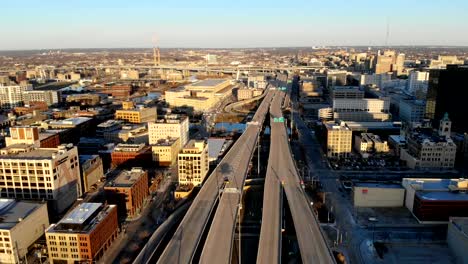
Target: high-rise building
(172,126)
(412,111)
(383,64)
(23,222)
(339,140)
(347,92)
(417,82)
(50,174)
(443,60)
(165,151)
(364,109)
(83,235)
(50,97)
(335,78)
(447,93)
(193,163)
(12,95)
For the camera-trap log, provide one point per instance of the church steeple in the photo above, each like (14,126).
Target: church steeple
(445,126)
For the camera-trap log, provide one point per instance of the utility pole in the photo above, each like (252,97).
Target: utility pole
(239,220)
(258,148)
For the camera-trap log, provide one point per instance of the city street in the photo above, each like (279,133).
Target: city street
(134,233)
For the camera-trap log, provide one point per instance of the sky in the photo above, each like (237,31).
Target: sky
(60,24)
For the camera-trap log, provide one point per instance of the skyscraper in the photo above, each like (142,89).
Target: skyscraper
(447,93)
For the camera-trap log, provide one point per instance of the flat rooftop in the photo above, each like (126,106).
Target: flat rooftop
(34,153)
(71,121)
(442,196)
(82,219)
(166,142)
(430,184)
(11,211)
(81,213)
(215,146)
(378,185)
(126,178)
(110,123)
(210,82)
(373,125)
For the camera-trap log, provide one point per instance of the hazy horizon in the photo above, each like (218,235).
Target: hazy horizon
(53,24)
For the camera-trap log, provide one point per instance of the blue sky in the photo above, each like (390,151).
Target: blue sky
(53,24)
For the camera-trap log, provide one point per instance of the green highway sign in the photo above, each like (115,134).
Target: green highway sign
(278,119)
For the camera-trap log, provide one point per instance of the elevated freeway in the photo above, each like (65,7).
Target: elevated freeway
(219,242)
(183,245)
(269,247)
(312,244)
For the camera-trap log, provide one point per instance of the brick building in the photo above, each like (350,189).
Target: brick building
(128,191)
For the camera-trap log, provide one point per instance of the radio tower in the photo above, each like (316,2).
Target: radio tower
(388,32)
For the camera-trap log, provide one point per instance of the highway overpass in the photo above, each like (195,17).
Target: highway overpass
(183,245)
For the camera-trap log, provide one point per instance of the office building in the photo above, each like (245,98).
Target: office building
(245,94)
(132,155)
(31,108)
(137,115)
(383,64)
(412,111)
(417,82)
(335,78)
(86,99)
(339,140)
(172,126)
(72,128)
(33,136)
(430,151)
(50,97)
(193,164)
(370,143)
(91,171)
(107,127)
(12,95)
(199,96)
(447,93)
(165,151)
(50,174)
(128,190)
(436,200)
(347,92)
(23,222)
(443,60)
(362,110)
(82,235)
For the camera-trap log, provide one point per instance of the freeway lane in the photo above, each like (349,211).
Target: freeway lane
(312,244)
(269,247)
(218,245)
(183,245)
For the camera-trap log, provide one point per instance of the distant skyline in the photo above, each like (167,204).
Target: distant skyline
(55,24)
